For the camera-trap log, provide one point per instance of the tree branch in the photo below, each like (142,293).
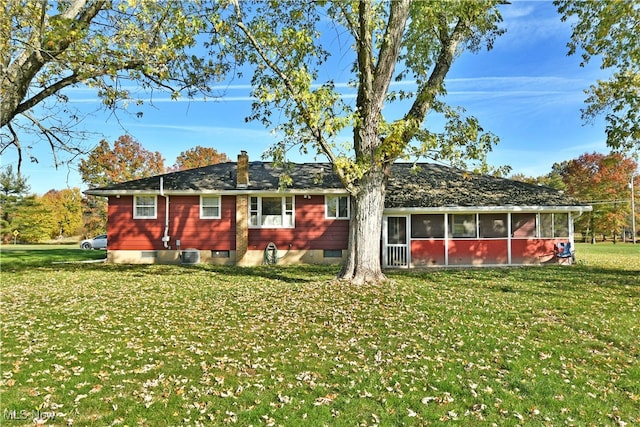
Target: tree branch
(46,92)
(390,50)
(27,65)
(304,111)
(428,92)
(16,142)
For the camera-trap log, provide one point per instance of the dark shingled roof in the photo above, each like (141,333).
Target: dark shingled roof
(419,185)
(431,185)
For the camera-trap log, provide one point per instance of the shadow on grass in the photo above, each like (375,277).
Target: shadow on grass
(508,279)
(285,274)
(16,259)
(551,279)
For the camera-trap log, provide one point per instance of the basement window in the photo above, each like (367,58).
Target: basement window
(220,254)
(332,253)
(148,254)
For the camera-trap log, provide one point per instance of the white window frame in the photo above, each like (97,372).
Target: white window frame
(553,227)
(217,205)
(335,200)
(136,206)
(255,211)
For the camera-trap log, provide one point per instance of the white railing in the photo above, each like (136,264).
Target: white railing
(397,256)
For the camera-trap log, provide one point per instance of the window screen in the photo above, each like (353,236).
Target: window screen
(493,225)
(462,225)
(523,225)
(427,226)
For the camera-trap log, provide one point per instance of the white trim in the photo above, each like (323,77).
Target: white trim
(487,209)
(233,192)
(403,249)
(284,211)
(155,207)
(337,198)
(509,238)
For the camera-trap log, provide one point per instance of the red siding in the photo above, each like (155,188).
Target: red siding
(194,232)
(473,252)
(427,252)
(126,233)
(532,251)
(312,230)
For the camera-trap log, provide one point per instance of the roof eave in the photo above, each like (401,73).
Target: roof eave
(235,192)
(487,209)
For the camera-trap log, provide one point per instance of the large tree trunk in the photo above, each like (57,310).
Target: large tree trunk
(363,259)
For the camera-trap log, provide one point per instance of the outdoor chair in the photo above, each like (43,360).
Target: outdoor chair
(564,254)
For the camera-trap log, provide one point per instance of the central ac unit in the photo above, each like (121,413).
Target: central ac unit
(190,256)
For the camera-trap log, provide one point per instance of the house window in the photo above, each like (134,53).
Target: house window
(145,207)
(462,225)
(429,226)
(210,207)
(492,225)
(271,212)
(523,225)
(336,207)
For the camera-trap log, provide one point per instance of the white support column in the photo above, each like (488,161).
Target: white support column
(509,238)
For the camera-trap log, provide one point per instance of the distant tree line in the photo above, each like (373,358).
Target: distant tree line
(57,214)
(603,181)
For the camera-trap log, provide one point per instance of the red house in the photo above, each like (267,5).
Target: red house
(238,213)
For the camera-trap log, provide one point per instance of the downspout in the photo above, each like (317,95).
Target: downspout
(572,230)
(165,237)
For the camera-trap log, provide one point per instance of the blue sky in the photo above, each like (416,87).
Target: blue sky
(526,90)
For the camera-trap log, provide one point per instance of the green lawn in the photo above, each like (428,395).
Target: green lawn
(101,344)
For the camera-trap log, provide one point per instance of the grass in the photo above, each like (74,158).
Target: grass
(101,344)
(22,256)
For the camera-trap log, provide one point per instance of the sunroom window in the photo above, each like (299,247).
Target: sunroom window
(427,226)
(554,225)
(463,225)
(337,207)
(492,225)
(561,225)
(210,207)
(523,225)
(271,212)
(145,207)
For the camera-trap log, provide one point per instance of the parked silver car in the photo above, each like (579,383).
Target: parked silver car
(98,242)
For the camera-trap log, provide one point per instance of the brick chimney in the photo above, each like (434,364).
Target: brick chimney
(242,179)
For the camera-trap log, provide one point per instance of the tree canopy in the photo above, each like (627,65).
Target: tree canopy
(50,46)
(603,181)
(199,156)
(127,160)
(287,43)
(608,30)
